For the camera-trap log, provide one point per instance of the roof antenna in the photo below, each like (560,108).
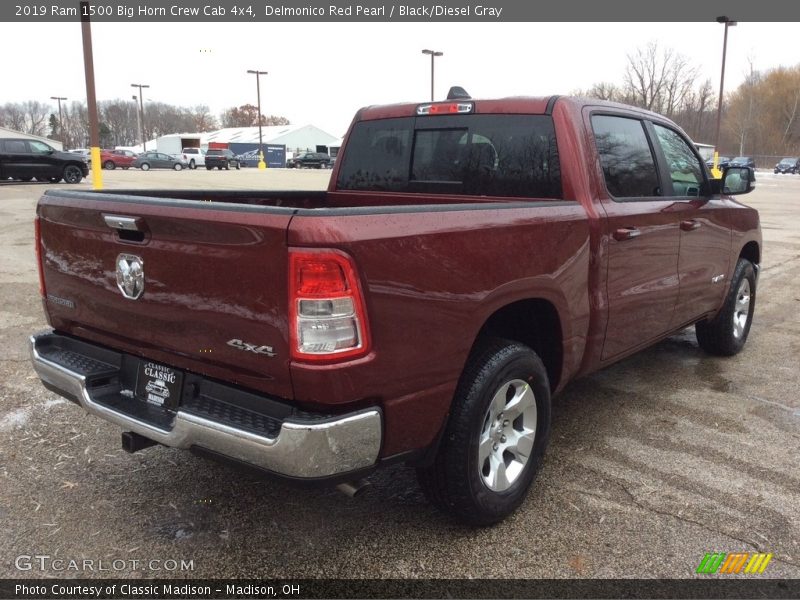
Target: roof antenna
(458,93)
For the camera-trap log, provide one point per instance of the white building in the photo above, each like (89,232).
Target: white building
(10,133)
(296,138)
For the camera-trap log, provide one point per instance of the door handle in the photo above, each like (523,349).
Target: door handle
(690,225)
(627,233)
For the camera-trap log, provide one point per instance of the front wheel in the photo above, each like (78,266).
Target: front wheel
(495,437)
(145,167)
(726,334)
(72,174)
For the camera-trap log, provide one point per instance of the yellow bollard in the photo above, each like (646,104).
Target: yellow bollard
(97,169)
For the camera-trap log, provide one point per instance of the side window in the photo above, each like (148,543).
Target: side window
(39,147)
(628,164)
(684,168)
(16,147)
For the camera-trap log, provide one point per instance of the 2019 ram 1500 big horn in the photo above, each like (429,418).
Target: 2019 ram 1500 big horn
(469,258)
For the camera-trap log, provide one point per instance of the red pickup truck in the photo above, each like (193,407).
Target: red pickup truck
(469,258)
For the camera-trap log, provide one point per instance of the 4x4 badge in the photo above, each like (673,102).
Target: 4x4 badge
(130,275)
(240,345)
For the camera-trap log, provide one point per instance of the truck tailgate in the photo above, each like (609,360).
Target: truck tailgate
(214,297)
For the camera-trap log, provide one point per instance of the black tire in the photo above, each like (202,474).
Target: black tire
(456,482)
(110,165)
(726,333)
(238,166)
(192,166)
(177,166)
(145,167)
(72,174)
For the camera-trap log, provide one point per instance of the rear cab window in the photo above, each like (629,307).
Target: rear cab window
(475,155)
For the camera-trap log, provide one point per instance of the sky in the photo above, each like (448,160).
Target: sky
(321,73)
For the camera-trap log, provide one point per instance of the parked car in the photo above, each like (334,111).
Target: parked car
(722,162)
(317,160)
(159,160)
(25,159)
(788,165)
(111,159)
(466,263)
(196,157)
(743,161)
(221,159)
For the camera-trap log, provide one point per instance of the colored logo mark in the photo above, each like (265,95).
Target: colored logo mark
(737,562)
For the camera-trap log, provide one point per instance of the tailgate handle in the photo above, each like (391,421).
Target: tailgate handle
(126,223)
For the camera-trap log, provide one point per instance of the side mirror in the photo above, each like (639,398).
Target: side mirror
(735,181)
(738,180)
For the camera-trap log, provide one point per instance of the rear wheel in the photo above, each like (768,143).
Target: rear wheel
(110,165)
(726,334)
(72,174)
(177,166)
(192,165)
(495,437)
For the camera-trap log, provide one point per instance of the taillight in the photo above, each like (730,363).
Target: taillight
(327,317)
(40,265)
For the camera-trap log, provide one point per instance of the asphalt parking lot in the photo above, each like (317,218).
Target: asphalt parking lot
(653,462)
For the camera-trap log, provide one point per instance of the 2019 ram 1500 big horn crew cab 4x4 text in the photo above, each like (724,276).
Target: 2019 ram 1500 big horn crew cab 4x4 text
(469,258)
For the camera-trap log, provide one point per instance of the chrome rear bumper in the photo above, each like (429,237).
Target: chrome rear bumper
(308,449)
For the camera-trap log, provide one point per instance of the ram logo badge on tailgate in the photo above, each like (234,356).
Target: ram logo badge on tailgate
(130,275)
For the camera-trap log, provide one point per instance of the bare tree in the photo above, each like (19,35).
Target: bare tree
(658,79)
(202,119)
(36,116)
(12,116)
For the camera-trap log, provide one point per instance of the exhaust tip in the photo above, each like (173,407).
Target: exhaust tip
(354,489)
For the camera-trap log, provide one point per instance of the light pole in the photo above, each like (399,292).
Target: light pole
(728,23)
(141,110)
(91,96)
(60,120)
(135,99)
(258,74)
(433,54)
